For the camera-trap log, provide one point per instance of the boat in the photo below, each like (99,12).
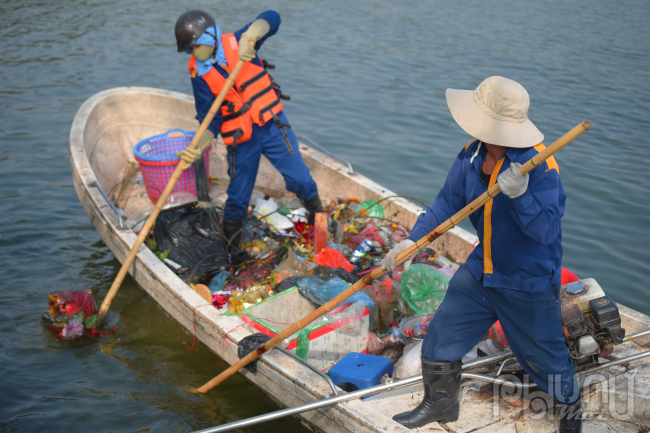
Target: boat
(102,137)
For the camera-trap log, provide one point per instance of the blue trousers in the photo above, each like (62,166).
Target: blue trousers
(266,140)
(531,322)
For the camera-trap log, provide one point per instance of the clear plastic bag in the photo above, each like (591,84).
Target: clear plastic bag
(289,203)
(424,288)
(384,296)
(292,266)
(376,344)
(343,317)
(410,364)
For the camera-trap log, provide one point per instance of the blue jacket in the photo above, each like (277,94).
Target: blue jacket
(203,96)
(521,239)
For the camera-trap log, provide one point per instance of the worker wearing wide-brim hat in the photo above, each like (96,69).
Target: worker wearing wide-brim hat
(513,275)
(251,121)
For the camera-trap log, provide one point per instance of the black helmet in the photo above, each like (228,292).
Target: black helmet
(190,26)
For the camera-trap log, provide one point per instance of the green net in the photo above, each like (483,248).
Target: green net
(424,288)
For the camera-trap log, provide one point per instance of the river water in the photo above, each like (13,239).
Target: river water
(367,80)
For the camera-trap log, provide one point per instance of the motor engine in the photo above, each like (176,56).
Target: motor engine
(591,323)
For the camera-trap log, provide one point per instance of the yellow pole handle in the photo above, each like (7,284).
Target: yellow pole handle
(378,272)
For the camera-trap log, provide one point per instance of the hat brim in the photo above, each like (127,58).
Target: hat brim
(486,128)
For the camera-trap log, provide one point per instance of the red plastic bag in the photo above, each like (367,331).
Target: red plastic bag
(497,334)
(397,273)
(333,259)
(568,277)
(373,234)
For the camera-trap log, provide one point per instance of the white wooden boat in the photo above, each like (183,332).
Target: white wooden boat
(101,142)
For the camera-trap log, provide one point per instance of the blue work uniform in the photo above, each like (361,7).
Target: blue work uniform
(266,140)
(512,276)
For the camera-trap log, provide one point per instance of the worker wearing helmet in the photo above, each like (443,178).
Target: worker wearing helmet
(514,274)
(250,120)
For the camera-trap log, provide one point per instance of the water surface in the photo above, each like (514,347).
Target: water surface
(367,80)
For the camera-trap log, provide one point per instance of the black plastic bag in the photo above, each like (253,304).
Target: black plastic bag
(290,282)
(248,344)
(195,240)
(341,273)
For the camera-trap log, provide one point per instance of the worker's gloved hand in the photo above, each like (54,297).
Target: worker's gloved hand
(390,261)
(511,182)
(255,32)
(190,155)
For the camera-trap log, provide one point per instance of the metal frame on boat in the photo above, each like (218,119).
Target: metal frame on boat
(101,140)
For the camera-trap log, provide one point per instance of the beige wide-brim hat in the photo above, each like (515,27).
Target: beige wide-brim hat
(496,113)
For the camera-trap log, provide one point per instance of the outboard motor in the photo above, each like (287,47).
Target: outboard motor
(591,322)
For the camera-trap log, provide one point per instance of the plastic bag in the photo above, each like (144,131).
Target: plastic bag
(218,281)
(343,317)
(266,210)
(288,283)
(384,297)
(248,344)
(333,259)
(289,203)
(292,266)
(341,273)
(370,208)
(410,364)
(424,288)
(194,239)
(399,234)
(397,273)
(376,344)
(298,215)
(319,291)
(72,315)
(343,249)
(373,234)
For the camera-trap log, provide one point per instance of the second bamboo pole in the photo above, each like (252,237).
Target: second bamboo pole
(378,272)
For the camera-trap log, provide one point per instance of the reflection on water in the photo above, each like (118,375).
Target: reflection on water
(367,81)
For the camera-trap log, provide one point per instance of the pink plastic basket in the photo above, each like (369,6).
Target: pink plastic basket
(158,160)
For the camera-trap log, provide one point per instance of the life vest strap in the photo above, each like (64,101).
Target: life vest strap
(232,149)
(284,132)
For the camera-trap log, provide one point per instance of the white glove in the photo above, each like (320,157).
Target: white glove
(190,155)
(254,33)
(511,182)
(390,261)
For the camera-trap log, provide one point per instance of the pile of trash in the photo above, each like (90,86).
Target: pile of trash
(281,255)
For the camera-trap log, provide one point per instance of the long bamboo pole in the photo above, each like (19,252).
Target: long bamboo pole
(182,165)
(378,272)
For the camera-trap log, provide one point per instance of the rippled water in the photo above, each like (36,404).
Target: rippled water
(367,80)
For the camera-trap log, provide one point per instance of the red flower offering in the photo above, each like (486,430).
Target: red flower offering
(72,315)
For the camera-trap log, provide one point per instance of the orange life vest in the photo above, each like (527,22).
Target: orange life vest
(250,100)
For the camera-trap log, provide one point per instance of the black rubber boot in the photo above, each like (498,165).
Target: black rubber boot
(312,205)
(571,418)
(441,382)
(232,231)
